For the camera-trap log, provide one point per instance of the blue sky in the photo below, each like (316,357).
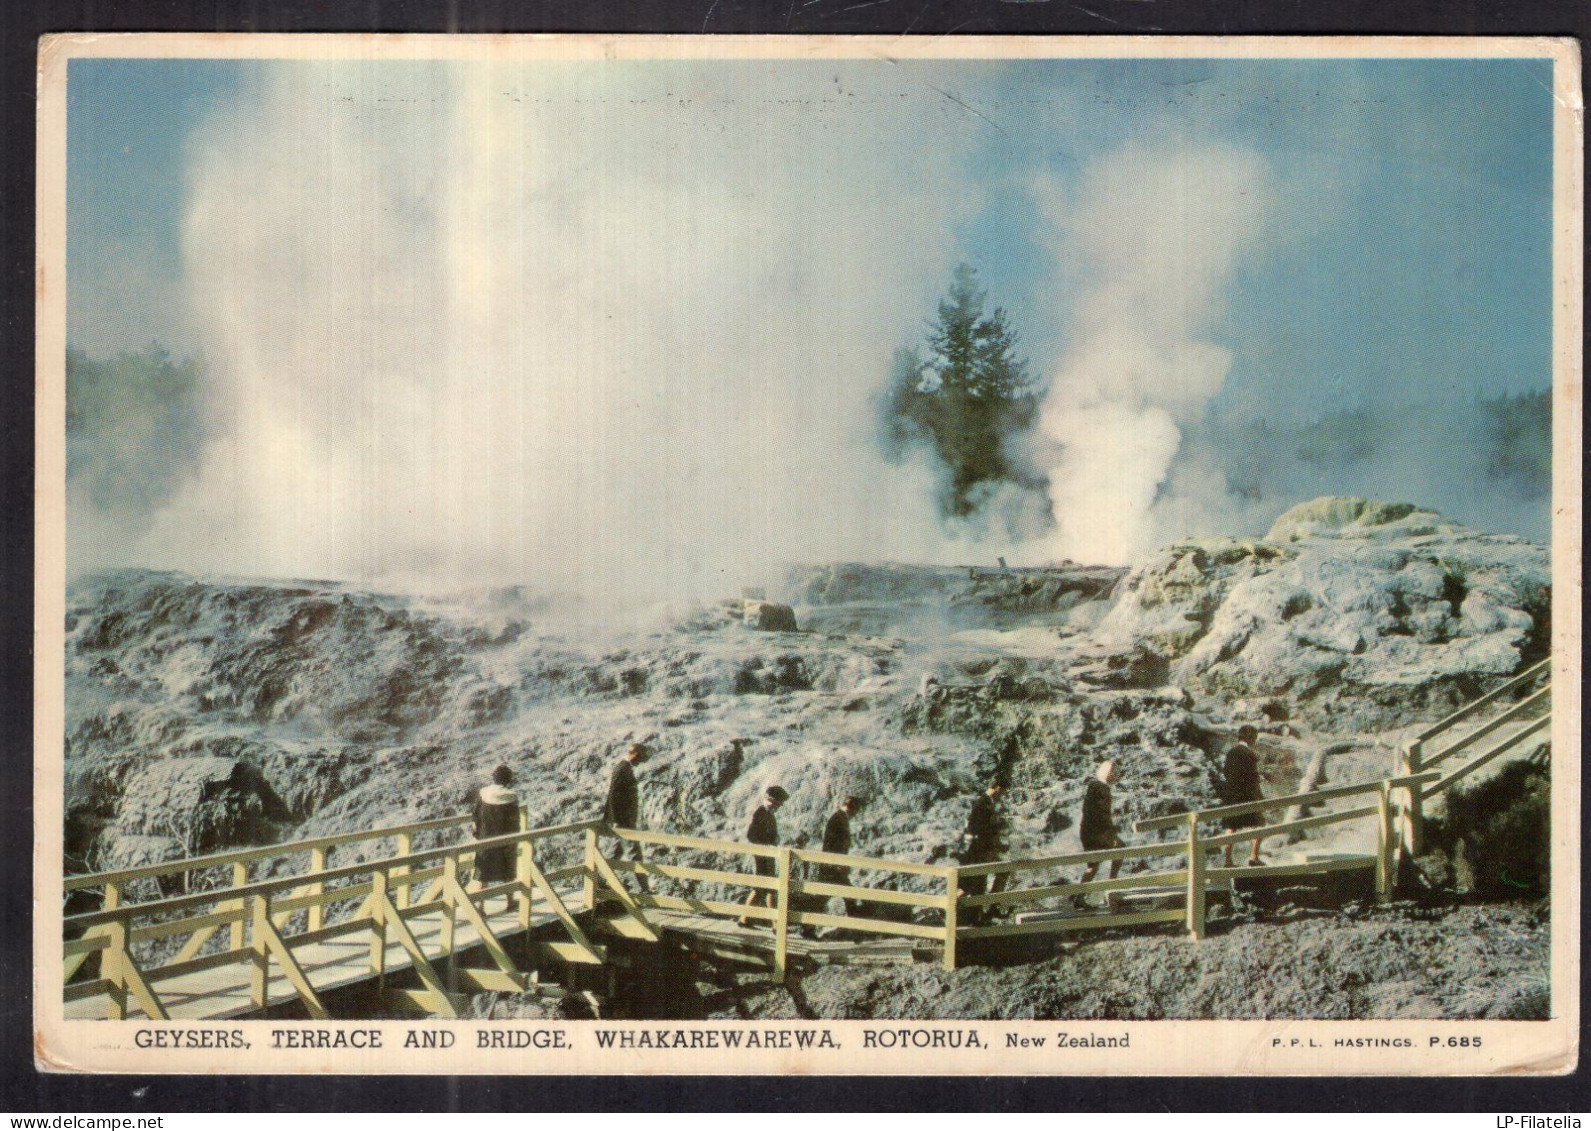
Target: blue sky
(1419,260)
(1425,265)
(128,123)
(392,250)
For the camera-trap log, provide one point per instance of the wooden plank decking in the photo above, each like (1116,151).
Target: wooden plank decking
(331,965)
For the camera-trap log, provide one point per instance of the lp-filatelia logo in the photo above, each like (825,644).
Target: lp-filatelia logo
(1538,1122)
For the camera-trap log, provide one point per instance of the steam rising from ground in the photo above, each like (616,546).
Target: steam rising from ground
(1161,232)
(512,326)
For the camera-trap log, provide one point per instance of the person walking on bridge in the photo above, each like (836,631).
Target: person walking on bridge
(1097,828)
(622,810)
(837,840)
(764,829)
(497,814)
(1242,784)
(982,842)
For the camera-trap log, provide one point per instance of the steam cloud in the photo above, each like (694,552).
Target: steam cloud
(511,327)
(1161,233)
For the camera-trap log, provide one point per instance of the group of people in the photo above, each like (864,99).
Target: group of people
(764,830)
(982,842)
(497,813)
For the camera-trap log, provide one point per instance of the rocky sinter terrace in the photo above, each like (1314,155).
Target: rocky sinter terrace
(207,713)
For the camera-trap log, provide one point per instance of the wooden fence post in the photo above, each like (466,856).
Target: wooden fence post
(240,876)
(378,929)
(113,956)
(588,888)
(1195,880)
(260,976)
(450,879)
(405,847)
(952,916)
(1386,843)
(1412,806)
(781,933)
(317,865)
(523,861)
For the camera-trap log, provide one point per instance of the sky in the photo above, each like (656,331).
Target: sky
(626,322)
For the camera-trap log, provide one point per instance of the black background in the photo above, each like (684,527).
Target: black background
(24,1090)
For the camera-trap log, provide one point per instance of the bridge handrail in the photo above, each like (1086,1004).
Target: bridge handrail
(805,855)
(247,855)
(1126,852)
(127,911)
(1064,890)
(683,872)
(1520,709)
(1529,675)
(1179,820)
(867,863)
(1513,740)
(702,843)
(1280,828)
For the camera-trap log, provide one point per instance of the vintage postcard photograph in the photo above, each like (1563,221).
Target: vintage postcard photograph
(825,555)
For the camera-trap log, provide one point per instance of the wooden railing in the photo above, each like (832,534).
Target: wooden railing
(256,914)
(1382,809)
(791,889)
(259,916)
(1393,804)
(1427,749)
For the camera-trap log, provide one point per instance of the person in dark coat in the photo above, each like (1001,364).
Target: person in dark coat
(764,829)
(1097,828)
(622,810)
(982,842)
(497,814)
(837,839)
(1241,783)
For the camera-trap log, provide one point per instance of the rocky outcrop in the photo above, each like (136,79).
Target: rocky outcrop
(1358,614)
(200,804)
(770,616)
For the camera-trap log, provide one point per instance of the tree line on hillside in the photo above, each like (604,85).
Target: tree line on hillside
(133,427)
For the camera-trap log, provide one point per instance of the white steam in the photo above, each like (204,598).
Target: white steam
(1160,233)
(549,326)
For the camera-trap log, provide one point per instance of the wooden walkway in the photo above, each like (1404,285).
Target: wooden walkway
(335,964)
(255,945)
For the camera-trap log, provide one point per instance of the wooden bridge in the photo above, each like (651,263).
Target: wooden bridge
(282,928)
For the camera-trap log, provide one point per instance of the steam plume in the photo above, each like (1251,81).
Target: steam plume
(530,325)
(1161,233)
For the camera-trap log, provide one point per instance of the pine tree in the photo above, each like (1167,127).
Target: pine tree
(966,398)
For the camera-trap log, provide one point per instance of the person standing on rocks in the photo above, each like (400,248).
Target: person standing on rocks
(623,807)
(1097,828)
(982,842)
(764,829)
(1242,784)
(497,814)
(837,840)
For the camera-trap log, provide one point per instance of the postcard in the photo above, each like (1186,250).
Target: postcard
(646,554)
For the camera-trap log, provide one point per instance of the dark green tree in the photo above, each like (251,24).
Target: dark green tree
(966,398)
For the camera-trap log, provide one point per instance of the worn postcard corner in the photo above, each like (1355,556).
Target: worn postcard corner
(753,555)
